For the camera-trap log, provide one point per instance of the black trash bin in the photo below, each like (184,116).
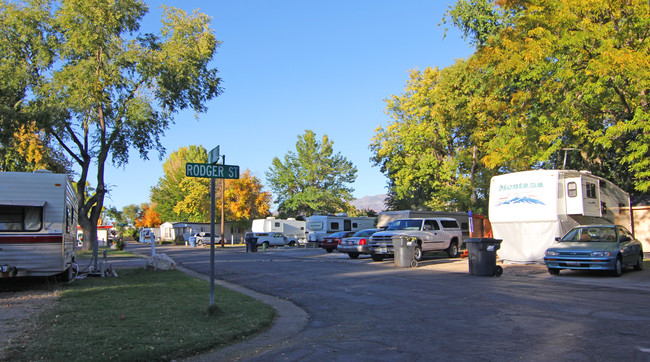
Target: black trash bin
(403,252)
(483,256)
(251,244)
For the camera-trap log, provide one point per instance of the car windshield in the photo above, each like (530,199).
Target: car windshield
(405,225)
(338,235)
(365,232)
(591,234)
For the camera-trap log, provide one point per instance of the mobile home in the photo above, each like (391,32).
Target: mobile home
(529,209)
(290,227)
(319,226)
(38,224)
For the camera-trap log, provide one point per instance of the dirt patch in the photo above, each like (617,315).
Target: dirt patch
(17,309)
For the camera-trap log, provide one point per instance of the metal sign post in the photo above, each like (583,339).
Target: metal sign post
(213,171)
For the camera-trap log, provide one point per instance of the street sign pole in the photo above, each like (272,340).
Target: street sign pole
(213,170)
(212,241)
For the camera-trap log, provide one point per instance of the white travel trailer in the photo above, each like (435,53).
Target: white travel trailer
(290,227)
(529,209)
(38,224)
(319,226)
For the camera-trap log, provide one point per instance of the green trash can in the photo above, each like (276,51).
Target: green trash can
(483,256)
(404,251)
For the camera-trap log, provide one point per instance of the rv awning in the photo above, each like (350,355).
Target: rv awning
(31,203)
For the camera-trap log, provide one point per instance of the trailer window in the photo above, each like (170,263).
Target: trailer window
(572,189)
(591,190)
(20,218)
(334,226)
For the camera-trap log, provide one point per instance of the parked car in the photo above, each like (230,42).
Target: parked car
(203,238)
(357,243)
(272,239)
(595,247)
(330,242)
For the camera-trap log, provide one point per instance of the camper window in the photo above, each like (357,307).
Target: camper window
(20,218)
(334,226)
(572,189)
(591,190)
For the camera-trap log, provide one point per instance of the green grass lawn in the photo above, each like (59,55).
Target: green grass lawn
(141,315)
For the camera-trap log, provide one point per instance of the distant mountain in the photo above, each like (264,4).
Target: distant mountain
(375,203)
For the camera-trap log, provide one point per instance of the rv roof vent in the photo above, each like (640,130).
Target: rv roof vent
(43,171)
(342,214)
(586,171)
(291,218)
(271,218)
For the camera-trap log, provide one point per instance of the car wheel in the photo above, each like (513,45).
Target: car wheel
(639,263)
(618,268)
(554,271)
(377,257)
(353,255)
(292,243)
(265,245)
(452,251)
(329,250)
(417,253)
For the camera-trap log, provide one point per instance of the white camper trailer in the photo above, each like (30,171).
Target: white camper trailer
(319,226)
(38,224)
(529,209)
(290,227)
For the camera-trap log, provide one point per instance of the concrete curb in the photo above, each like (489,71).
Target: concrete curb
(290,321)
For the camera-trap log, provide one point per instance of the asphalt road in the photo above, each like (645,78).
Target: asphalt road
(361,310)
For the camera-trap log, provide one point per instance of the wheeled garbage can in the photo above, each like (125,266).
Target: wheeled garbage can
(403,252)
(251,244)
(483,256)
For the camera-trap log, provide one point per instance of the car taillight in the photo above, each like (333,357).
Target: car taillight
(339,241)
(362,242)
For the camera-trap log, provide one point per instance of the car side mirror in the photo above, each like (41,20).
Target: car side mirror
(625,238)
(557,238)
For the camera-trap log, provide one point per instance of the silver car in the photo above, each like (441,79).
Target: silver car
(356,244)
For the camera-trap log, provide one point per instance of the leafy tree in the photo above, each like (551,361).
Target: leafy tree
(148,217)
(99,88)
(130,213)
(478,19)
(430,151)
(246,200)
(312,179)
(571,74)
(30,150)
(181,198)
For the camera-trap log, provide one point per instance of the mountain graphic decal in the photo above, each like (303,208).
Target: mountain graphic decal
(521,200)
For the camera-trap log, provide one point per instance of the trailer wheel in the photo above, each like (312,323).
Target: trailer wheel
(70,273)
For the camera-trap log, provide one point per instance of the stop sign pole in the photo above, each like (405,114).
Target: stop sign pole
(213,171)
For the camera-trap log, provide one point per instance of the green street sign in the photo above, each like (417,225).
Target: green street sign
(211,171)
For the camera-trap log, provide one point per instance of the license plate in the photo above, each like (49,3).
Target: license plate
(383,250)
(572,263)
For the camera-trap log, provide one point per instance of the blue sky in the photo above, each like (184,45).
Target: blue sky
(291,66)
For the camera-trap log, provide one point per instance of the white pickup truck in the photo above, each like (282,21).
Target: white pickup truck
(430,234)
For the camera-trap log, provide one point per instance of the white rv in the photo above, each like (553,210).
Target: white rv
(320,226)
(529,209)
(290,227)
(38,224)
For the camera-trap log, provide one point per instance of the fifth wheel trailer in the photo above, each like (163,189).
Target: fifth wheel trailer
(529,209)
(290,227)
(38,224)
